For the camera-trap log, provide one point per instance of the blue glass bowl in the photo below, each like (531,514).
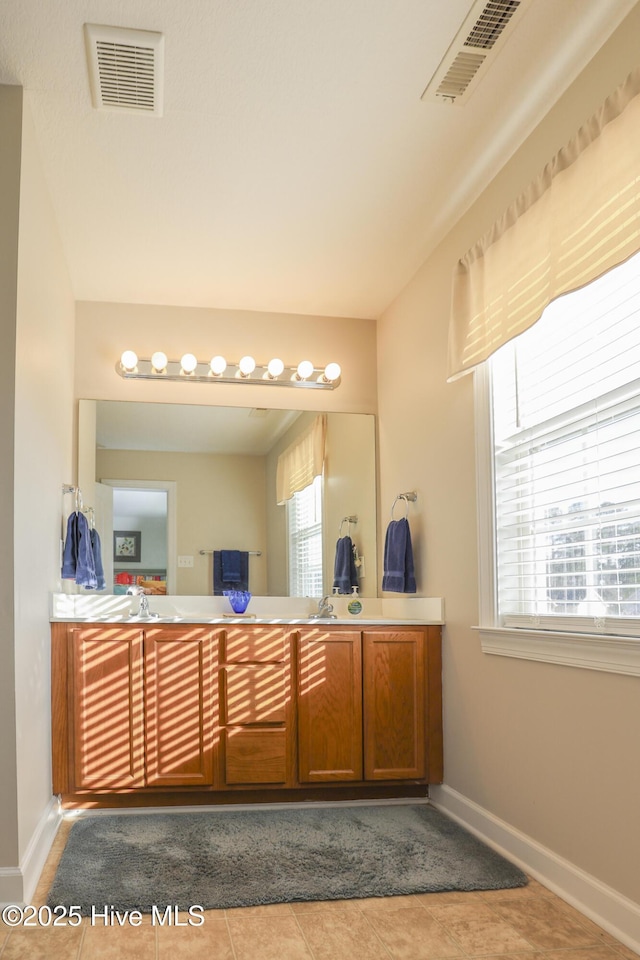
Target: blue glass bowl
(239,599)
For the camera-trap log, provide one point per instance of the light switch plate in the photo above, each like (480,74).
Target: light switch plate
(185,561)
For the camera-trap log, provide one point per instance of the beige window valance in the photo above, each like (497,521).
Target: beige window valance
(580,218)
(301,462)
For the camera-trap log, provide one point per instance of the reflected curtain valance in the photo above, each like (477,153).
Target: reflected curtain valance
(301,462)
(580,218)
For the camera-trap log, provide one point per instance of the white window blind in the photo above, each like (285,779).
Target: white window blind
(566,427)
(304,511)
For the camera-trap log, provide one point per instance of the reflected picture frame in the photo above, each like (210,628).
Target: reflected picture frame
(127,546)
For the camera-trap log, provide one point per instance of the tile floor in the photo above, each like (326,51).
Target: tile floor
(530,923)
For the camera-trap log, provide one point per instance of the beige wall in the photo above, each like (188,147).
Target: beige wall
(40,460)
(220,504)
(551,750)
(104,330)
(10,150)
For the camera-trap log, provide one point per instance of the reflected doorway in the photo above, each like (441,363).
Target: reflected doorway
(143,539)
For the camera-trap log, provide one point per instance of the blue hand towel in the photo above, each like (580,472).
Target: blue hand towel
(85,568)
(230,560)
(345,575)
(78,563)
(219,583)
(399,575)
(69,557)
(96,549)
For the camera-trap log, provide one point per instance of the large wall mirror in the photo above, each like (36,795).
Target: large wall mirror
(172,483)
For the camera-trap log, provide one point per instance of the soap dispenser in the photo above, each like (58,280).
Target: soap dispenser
(355,606)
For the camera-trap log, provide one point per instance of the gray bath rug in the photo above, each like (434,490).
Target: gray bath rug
(245,858)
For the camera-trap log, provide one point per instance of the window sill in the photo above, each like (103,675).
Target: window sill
(588,651)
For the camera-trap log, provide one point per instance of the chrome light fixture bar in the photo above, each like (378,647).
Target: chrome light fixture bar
(217,370)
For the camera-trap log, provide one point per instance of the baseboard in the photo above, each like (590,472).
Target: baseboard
(614,912)
(39,846)
(76,814)
(18,884)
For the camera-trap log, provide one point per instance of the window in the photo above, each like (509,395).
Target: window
(565,401)
(304,516)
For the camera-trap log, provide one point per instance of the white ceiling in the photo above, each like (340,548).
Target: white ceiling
(296,167)
(126,425)
(135,504)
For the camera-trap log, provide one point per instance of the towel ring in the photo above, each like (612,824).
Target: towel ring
(407,497)
(77,494)
(348,521)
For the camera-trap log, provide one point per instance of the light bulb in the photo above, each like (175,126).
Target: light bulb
(159,361)
(246,366)
(305,369)
(275,368)
(188,363)
(129,360)
(218,366)
(332,372)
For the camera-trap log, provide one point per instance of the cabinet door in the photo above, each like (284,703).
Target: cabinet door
(394,705)
(107,724)
(180,704)
(329,706)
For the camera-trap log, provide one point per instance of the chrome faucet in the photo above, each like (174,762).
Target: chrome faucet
(325,610)
(143,609)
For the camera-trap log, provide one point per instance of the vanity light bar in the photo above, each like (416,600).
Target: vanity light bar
(217,370)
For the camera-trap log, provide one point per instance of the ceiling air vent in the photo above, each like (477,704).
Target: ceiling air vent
(125,69)
(472,50)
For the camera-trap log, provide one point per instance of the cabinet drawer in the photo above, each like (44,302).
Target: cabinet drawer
(254,645)
(255,756)
(255,694)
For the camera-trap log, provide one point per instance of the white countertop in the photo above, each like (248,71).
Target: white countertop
(234,621)
(103,608)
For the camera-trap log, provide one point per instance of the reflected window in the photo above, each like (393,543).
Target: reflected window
(304,515)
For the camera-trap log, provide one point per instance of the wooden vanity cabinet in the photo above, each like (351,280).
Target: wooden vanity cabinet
(201,713)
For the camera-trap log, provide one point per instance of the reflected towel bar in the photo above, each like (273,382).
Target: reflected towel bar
(252,553)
